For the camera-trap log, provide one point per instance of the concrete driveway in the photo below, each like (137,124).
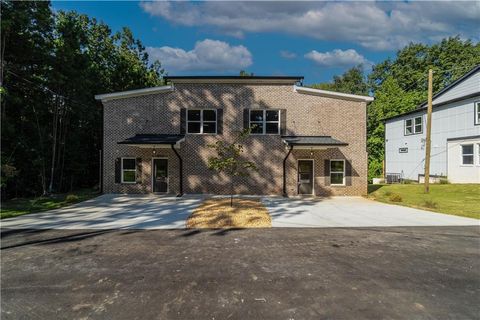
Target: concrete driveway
(353,212)
(160,212)
(112,212)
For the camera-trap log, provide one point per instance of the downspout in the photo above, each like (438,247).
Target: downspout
(285,172)
(181,169)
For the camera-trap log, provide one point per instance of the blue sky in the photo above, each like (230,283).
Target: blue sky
(313,39)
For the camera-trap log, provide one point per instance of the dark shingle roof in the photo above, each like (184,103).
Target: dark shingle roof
(312,141)
(153,139)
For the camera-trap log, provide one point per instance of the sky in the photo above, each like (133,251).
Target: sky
(312,39)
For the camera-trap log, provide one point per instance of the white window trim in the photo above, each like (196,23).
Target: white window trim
(264,121)
(478,154)
(413,126)
(476,114)
(343,181)
(468,154)
(201,121)
(121,171)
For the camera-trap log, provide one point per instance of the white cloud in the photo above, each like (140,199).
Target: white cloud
(287,54)
(207,55)
(374,25)
(337,58)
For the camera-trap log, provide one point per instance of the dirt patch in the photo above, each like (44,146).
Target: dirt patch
(217,213)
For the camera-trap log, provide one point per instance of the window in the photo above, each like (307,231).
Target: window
(265,121)
(129,170)
(467,154)
(477,112)
(413,125)
(202,121)
(337,172)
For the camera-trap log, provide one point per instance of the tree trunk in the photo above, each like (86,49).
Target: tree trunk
(231,192)
(54,145)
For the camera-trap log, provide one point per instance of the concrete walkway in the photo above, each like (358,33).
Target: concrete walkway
(113,212)
(353,212)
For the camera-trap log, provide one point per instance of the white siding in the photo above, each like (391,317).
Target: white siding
(466,87)
(458,172)
(453,120)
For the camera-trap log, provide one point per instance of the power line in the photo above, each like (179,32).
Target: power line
(44,88)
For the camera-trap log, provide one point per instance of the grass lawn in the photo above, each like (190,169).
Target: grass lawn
(20,206)
(456,199)
(217,213)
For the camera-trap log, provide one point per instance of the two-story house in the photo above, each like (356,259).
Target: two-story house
(455,140)
(303,140)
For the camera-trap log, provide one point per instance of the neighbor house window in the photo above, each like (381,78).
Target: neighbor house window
(413,125)
(202,121)
(337,172)
(129,170)
(265,121)
(477,112)
(467,154)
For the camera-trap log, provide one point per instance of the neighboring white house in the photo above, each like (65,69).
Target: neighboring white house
(455,147)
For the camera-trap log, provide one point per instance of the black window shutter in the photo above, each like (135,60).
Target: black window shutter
(326,171)
(118,170)
(219,121)
(246,122)
(183,120)
(138,163)
(283,121)
(348,172)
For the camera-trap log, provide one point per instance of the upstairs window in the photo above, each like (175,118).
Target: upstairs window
(129,170)
(202,121)
(265,121)
(477,112)
(413,126)
(467,154)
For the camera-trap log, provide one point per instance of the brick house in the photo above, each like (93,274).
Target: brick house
(304,141)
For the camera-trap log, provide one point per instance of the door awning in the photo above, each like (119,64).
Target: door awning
(154,140)
(312,142)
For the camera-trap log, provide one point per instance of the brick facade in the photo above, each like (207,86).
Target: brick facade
(306,115)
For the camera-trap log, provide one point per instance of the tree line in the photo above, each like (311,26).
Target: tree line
(399,84)
(52,65)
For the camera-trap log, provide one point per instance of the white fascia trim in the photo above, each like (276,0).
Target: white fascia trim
(133,93)
(332,94)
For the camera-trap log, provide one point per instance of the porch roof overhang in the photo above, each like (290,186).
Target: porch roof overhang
(312,142)
(154,140)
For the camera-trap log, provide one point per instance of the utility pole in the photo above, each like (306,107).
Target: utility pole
(429,132)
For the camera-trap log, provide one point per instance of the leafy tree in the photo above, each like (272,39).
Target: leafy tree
(352,81)
(52,66)
(244,73)
(229,159)
(400,85)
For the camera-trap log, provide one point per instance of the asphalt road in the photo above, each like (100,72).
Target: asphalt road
(359,273)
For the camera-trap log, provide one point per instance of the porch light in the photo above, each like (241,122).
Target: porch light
(311,152)
(154,152)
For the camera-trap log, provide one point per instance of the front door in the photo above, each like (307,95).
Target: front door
(305,176)
(160,175)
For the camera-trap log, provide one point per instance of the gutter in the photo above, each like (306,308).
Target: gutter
(285,172)
(180,169)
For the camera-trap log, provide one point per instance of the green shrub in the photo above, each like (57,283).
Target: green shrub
(444,181)
(430,204)
(71,198)
(395,198)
